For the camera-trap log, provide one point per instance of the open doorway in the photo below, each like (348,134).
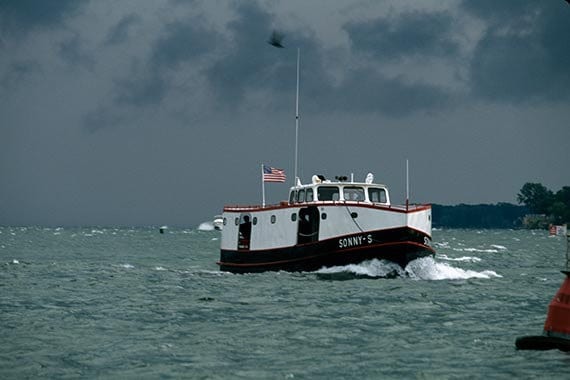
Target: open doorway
(244,233)
(308,228)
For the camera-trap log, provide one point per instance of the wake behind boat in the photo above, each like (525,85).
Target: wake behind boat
(324,223)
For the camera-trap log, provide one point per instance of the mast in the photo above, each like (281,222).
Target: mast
(407,185)
(297,119)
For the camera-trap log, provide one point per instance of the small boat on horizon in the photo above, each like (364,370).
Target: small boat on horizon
(218,222)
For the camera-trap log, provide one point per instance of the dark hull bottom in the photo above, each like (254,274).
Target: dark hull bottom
(542,343)
(399,246)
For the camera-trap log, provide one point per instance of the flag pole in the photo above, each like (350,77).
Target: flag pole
(262,188)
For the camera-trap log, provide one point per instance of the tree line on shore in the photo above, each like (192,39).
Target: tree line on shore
(500,215)
(538,207)
(541,201)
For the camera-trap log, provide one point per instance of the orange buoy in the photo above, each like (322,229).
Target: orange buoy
(556,333)
(558,318)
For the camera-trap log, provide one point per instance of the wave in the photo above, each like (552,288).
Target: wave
(476,250)
(471,259)
(421,269)
(368,269)
(495,248)
(428,269)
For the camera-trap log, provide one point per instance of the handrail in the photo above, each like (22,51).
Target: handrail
(404,208)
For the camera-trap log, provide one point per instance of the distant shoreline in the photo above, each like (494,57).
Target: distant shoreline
(500,216)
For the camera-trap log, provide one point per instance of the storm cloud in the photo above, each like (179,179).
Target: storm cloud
(160,112)
(523,55)
(409,34)
(18,17)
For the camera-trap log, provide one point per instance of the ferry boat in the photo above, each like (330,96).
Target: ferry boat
(324,223)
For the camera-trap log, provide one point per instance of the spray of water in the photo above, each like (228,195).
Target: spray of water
(425,268)
(428,269)
(371,269)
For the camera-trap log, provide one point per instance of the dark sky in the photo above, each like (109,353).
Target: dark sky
(161,112)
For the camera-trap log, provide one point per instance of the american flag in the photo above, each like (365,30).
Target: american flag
(273,175)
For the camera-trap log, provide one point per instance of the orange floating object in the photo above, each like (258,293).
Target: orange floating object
(558,318)
(556,333)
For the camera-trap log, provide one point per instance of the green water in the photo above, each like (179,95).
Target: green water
(133,303)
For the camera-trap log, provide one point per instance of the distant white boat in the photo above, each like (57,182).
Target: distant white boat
(218,222)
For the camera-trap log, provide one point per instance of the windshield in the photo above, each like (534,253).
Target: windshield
(328,193)
(377,195)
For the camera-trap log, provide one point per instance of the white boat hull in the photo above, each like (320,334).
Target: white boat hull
(306,237)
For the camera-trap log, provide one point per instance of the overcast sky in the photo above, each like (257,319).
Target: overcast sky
(161,112)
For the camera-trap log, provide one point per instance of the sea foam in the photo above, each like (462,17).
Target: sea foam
(371,268)
(428,269)
(425,268)
(471,259)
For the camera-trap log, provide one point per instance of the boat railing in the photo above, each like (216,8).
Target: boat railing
(283,204)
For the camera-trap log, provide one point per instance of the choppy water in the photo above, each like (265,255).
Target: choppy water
(132,303)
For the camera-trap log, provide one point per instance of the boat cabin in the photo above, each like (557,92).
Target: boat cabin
(323,190)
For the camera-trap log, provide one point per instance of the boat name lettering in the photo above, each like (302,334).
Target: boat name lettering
(354,241)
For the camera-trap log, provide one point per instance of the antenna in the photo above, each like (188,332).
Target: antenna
(407,184)
(276,40)
(297,119)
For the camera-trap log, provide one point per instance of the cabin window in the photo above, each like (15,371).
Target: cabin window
(254,220)
(377,195)
(301,197)
(273,219)
(237,221)
(354,215)
(225,221)
(293,217)
(328,193)
(309,195)
(353,193)
(323,215)
(292,197)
